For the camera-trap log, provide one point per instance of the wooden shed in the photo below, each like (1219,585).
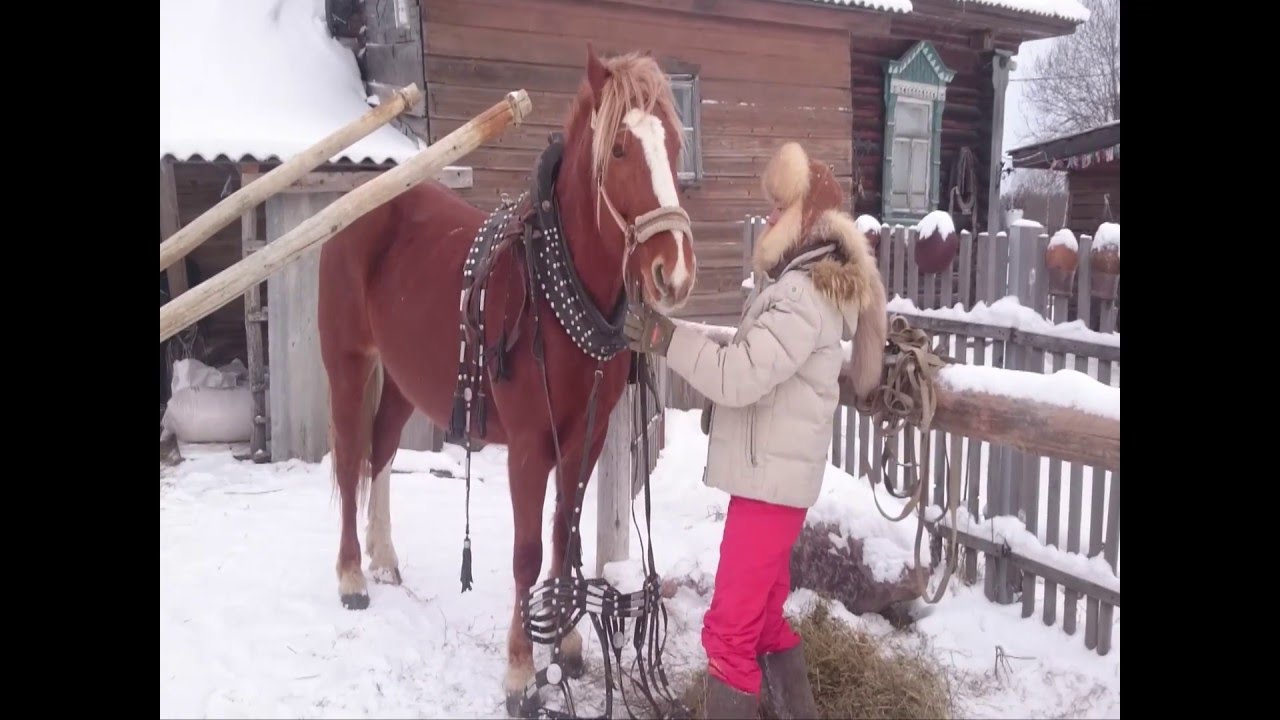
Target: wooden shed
(1091,160)
(904,98)
(243,85)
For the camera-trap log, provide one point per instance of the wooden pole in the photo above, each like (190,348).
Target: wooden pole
(1053,431)
(171,225)
(614,493)
(222,288)
(250,196)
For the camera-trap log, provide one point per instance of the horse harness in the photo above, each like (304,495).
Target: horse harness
(553,608)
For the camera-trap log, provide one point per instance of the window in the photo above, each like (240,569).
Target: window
(688,103)
(915,93)
(912,143)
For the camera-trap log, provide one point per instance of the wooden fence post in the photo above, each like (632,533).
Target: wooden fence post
(613,489)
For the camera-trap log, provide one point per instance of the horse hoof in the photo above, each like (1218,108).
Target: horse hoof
(355,601)
(386,576)
(520,706)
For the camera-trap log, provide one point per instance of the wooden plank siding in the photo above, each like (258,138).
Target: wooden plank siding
(782,85)
(1089,191)
(762,82)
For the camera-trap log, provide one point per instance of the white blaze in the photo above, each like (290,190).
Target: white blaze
(652,136)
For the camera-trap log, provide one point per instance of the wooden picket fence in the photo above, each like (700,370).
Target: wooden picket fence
(1065,505)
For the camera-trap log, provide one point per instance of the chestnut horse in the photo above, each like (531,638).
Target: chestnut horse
(389,327)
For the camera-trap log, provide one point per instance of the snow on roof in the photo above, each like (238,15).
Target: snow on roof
(260,79)
(1064,136)
(1065,9)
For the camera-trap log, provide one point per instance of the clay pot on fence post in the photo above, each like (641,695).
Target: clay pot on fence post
(1104,262)
(1062,258)
(870,227)
(937,244)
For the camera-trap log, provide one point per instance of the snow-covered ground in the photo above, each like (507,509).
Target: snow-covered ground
(251,626)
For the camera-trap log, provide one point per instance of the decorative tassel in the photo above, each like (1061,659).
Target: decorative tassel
(466,565)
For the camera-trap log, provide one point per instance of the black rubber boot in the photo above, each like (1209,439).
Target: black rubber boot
(722,702)
(786,675)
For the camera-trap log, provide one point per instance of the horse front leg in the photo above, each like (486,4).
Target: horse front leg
(568,518)
(528,467)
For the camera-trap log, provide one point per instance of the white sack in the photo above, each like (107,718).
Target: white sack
(209,405)
(210,415)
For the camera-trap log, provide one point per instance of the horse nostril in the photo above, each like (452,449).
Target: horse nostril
(657,277)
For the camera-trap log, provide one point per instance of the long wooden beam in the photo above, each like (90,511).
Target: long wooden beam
(456,178)
(222,288)
(1035,427)
(250,196)
(1039,428)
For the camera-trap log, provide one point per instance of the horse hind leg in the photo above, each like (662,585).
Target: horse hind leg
(394,411)
(353,395)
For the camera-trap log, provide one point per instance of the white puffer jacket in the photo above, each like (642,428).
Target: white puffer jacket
(774,386)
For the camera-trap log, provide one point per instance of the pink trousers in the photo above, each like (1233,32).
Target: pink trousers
(752,583)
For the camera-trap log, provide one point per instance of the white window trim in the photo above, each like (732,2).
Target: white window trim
(928,165)
(694,124)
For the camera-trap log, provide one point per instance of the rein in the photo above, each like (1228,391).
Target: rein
(907,396)
(553,608)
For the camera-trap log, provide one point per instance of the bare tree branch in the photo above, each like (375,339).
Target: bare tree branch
(1078,85)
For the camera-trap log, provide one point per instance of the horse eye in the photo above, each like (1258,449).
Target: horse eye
(617,150)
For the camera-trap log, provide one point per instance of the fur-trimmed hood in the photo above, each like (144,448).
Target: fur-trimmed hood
(808,216)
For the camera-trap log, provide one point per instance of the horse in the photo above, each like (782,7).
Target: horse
(389,290)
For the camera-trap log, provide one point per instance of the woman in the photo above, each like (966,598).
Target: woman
(773,391)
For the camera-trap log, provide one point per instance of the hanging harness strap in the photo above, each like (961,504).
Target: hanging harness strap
(964,184)
(908,396)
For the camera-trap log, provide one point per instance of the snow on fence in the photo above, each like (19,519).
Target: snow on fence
(1037,522)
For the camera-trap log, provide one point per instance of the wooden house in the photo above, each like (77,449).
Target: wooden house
(904,98)
(1091,160)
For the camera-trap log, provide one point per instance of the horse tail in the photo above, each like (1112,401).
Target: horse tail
(371,396)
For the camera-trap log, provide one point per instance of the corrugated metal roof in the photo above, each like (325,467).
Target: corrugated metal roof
(1064,9)
(901,6)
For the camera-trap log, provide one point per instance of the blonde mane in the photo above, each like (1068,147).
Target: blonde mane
(635,81)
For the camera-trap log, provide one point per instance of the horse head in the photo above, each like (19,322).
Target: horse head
(635,142)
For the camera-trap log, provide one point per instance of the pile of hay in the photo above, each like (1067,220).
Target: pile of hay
(854,676)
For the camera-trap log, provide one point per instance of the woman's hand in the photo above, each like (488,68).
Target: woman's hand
(647,331)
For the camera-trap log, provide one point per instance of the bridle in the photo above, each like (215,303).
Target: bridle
(664,218)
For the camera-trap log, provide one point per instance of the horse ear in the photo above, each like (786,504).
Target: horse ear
(597,74)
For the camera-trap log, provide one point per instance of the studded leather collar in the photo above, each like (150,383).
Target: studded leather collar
(554,275)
